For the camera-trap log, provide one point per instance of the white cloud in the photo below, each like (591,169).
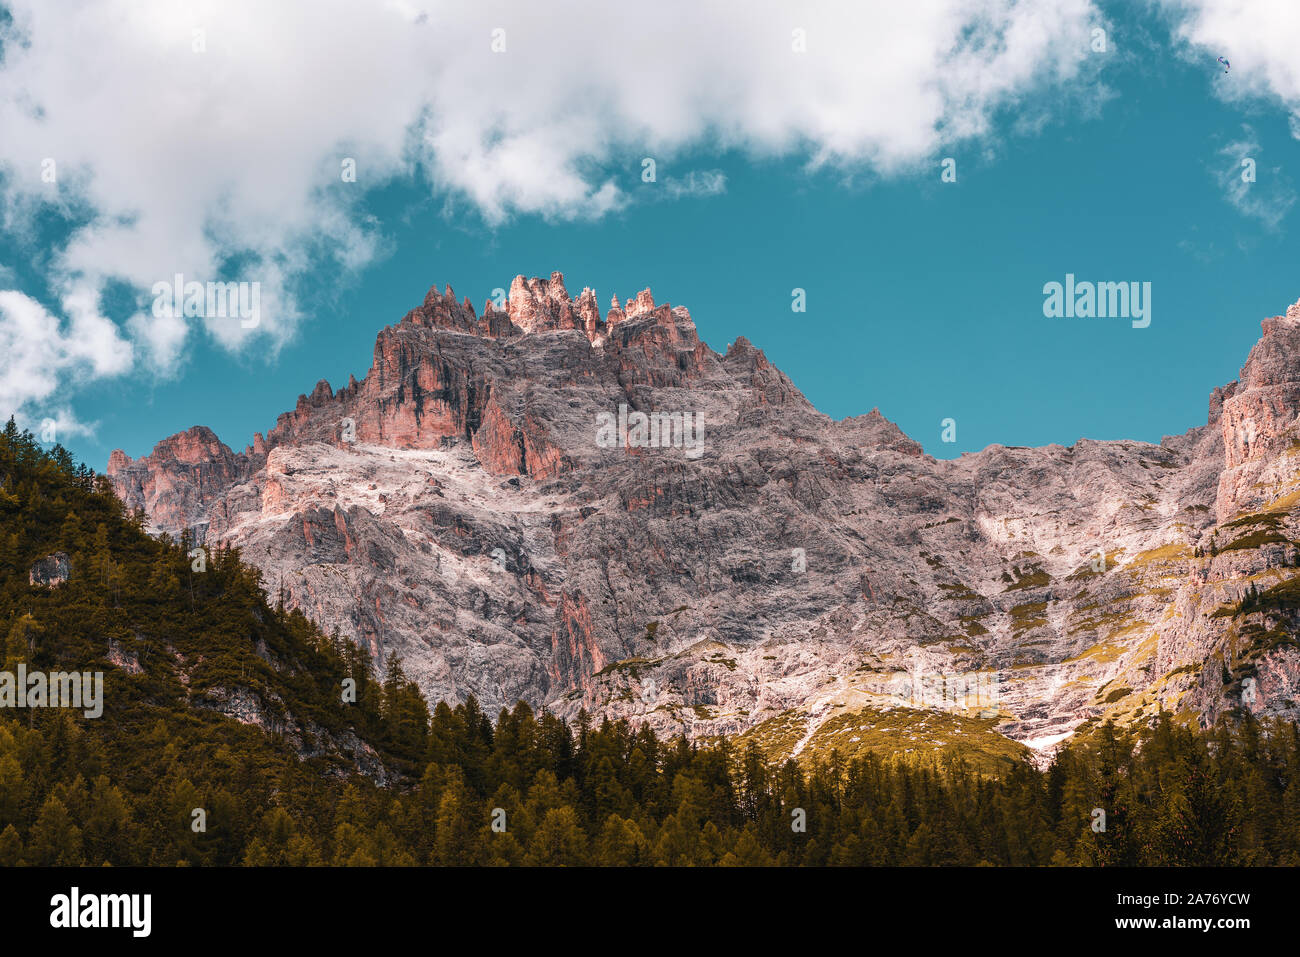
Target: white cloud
(188,158)
(1258,191)
(696,183)
(58,424)
(159,340)
(1259,38)
(43,358)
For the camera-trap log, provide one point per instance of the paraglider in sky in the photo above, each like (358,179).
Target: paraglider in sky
(1225,63)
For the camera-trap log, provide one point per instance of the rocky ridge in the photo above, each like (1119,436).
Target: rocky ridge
(791,577)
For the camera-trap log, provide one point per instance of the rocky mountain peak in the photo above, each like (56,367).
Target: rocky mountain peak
(539,504)
(541,305)
(1260,411)
(430,385)
(178,480)
(642,304)
(196,446)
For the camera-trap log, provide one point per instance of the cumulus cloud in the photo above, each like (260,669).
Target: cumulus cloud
(1258,37)
(209,138)
(43,357)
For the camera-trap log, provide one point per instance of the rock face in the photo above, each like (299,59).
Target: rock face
(517,505)
(51,571)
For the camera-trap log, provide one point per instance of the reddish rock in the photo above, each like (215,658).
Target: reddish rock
(179,481)
(541,305)
(615,313)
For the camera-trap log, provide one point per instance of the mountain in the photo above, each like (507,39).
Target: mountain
(539,503)
(218,736)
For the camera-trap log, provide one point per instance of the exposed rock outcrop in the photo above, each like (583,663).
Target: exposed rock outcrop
(51,571)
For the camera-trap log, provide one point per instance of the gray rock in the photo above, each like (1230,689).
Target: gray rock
(50,571)
(459,508)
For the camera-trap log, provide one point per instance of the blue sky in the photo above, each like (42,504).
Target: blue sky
(924,298)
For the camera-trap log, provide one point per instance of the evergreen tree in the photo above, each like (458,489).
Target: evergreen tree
(55,840)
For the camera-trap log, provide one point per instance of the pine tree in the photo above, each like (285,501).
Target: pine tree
(11,848)
(1199,821)
(1117,845)
(14,790)
(105,833)
(558,841)
(20,645)
(55,840)
(457,842)
(621,844)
